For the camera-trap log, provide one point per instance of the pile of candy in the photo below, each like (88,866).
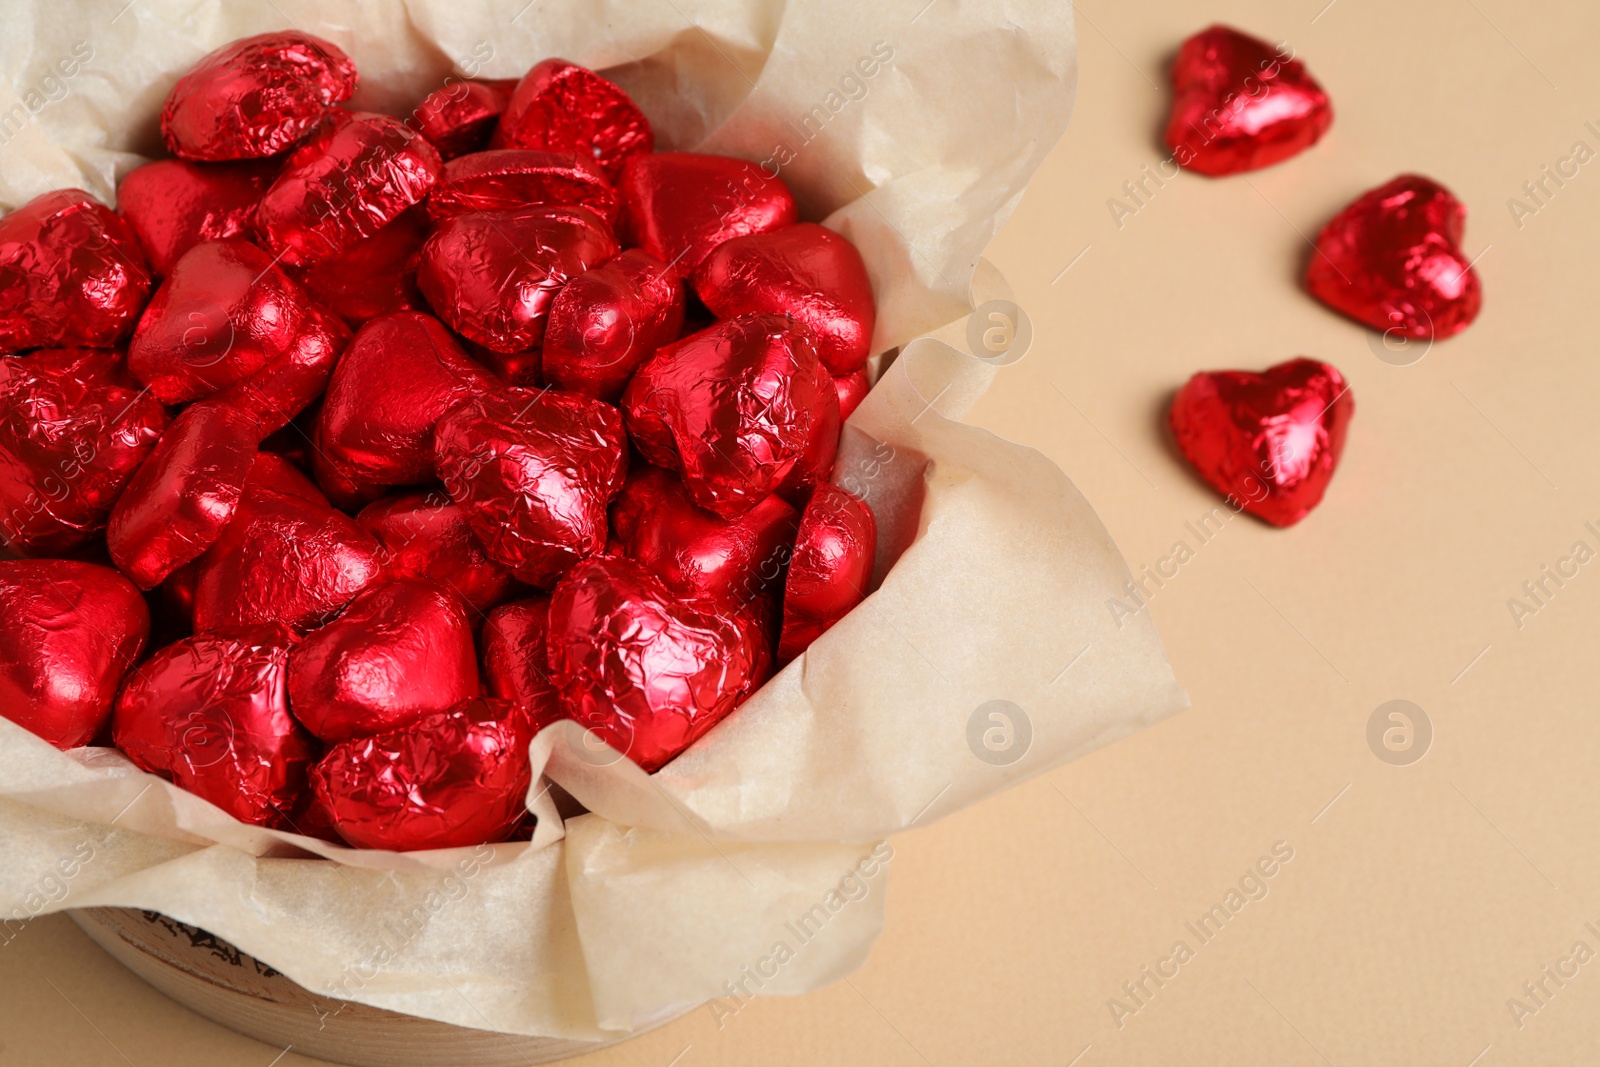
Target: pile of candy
(572,462)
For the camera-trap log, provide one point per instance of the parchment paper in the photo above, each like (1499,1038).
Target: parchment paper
(754,863)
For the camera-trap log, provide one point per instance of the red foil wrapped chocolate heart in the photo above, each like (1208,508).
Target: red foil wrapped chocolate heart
(71,632)
(452,778)
(678,206)
(852,389)
(289,383)
(829,569)
(223,314)
(402,648)
(179,501)
(1239,104)
(815,465)
(427,536)
(375,276)
(397,377)
(173,205)
(71,273)
(73,429)
(516,659)
(645,670)
(459,117)
(1268,441)
(512,178)
(732,408)
(283,559)
(698,555)
(354,177)
(492,275)
(535,472)
(211,712)
(255,97)
(1393,260)
(609,320)
(273,472)
(805,271)
(562,107)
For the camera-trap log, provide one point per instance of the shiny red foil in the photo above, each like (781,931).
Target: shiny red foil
(73,429)
(459,117)
(679,206)
(211,713)
(354,177)
(452,778)
(516,659)
(375,276)
(815,464)
(698,555)
(1268,441)
(71,632)
(71,273)
(394,381)
(271,471)
(534,471)
(609,320)
(283,559)
(289,383)
(562,107)
(492,276)
(647,671)
(830,567)
(1239,104)
(255,97)
(223,314)
(510,178)
(805,271)
(401,649)
(173,205)
(1393,260)
(427,536)
(732,408)
(852,389)
(176,505)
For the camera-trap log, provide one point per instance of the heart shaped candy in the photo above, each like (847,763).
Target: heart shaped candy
(426,535)
(644,669)
(1393,260)
(562,107)
(516,659)
(607,321)
(510,178)
(534,471)
(289,383)
(71,631)
(678,206)
(375,276)
(173,204)
(1239,104)
(829,569)
(459,117)
(1269,441)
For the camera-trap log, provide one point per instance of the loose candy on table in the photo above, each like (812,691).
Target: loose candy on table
(426,535)
(71,273)
(255,97)
(562,107)
(609,320)
(679,206)
(72,630)
(829,569)
(173,205)
(1268,441)
(1393,260)
(510,178)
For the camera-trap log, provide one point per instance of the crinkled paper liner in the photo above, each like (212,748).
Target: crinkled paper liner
(757,858)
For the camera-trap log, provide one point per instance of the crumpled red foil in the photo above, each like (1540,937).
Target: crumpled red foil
(830,567)
(291,382)
(426,535)
(173,205)
(375,276)
(815,464)
(732,408)
(805,271)
(283,559)
(178,502)
(609,320)
(255,97)
(678,206)
(493,275)
(1393,260)
(459,117)
(71,273)
(402,648)
(354,177)
(645,670)
(562,107)
(211,712)
(534,471)
(71,632)
(222,315)
(1240,104)
(510,178)
(516,659)
(73,429)
(698,555)
(852,389)
(394,381)
(1268,441)
(452,778)
(271,471)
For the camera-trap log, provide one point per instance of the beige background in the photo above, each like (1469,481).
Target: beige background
(1420,898)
